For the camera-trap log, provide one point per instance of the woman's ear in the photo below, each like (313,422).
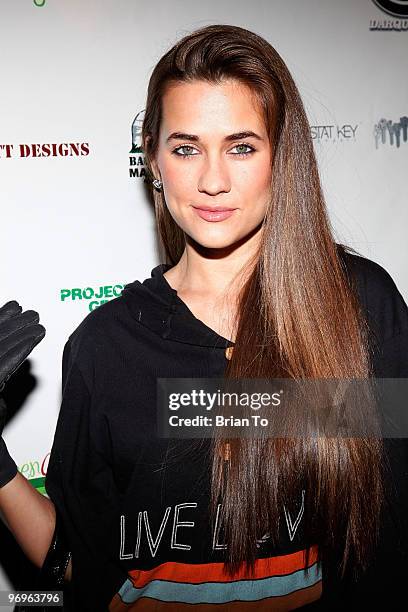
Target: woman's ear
(155,169)
(153,164)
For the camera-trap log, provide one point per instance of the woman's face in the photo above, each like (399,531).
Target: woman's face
(214,153)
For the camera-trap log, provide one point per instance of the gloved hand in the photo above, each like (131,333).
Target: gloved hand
(20,332)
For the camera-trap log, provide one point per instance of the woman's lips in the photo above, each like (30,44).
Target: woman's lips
(214,215)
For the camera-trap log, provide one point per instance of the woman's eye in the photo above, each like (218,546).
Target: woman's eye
(241,146)
(178,149)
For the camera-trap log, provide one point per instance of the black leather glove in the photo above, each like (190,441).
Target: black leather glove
(20,332)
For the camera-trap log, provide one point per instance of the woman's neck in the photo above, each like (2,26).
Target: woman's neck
(209,281)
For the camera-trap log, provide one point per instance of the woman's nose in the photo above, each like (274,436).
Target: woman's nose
(214,178)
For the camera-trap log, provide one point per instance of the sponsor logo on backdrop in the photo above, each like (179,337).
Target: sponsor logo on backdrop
(395,8)
(39,2)
(388,132)
(92,296)
(35,472)
(334,133)
(136,159)
(62,149)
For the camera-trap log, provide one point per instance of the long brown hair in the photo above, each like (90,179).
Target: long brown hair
(298,317)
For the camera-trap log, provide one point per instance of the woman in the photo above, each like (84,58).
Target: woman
(254,286)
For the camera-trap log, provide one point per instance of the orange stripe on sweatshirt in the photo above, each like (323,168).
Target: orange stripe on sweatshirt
(196,573)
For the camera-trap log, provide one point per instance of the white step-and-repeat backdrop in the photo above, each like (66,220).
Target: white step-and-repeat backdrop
(75,222)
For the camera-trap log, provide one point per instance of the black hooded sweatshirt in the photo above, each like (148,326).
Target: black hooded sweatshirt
(135,506)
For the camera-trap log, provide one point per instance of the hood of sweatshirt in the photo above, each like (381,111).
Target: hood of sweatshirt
(156,305)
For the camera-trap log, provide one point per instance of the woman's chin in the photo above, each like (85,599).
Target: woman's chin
(224,242)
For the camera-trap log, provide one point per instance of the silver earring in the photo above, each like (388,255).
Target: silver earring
(158,184)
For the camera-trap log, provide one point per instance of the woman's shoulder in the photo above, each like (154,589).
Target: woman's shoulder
(101,326)
(384,305)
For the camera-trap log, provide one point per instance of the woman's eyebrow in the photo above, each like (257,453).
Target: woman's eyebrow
(229,138)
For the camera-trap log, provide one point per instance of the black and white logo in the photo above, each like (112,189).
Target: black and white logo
(396,8)
(136,158)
